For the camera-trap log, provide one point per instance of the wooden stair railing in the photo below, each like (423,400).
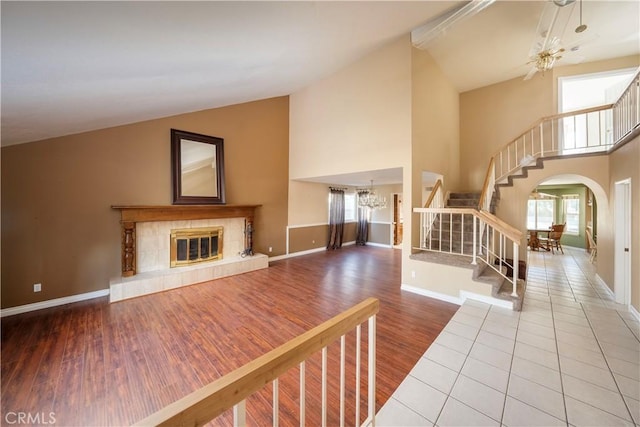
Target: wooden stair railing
(230,391)
(436,198)
(590,130)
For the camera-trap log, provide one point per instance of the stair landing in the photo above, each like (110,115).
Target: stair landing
(500,287)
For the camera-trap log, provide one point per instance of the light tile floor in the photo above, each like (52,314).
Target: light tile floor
(570,357)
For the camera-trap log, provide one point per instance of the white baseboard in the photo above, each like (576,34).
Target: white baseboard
(52,303)
(295,254)
(307,252)
(603,283)
(380,245)
(486,299)
(635,312)
(432,294)
(464,295)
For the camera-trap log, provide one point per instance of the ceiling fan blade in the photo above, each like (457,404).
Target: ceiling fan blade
(552,196)
(531,73)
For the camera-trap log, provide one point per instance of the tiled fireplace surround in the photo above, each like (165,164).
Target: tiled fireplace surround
(146,234)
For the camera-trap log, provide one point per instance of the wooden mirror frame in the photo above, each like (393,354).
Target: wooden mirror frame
(177,136)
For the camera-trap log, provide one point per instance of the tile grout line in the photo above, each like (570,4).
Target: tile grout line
(555,338)
(606,361)
(589,321)
(460,371)
(513,354)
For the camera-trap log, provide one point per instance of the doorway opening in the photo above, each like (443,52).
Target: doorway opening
(397,219)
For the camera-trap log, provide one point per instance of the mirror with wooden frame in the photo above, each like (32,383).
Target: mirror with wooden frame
(197,168)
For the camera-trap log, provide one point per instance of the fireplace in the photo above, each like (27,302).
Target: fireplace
(151,235)
(193,245)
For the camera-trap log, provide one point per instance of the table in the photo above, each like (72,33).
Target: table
(534,241)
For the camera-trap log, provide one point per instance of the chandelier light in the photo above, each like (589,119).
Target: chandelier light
(367,198)
(545,61)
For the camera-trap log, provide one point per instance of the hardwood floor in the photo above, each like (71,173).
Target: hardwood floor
(95,363)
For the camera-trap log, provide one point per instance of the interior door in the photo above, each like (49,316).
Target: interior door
(397,219)
(622,242)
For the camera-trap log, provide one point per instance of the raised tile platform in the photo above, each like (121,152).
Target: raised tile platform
(122,288)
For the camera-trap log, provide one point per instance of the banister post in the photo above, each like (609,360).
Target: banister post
(240,414)
(516,250)
(541,139)
(475,240)
(372,370)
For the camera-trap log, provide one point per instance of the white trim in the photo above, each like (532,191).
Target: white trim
(52,303)
(307,252)
(464,295)
(381,222)
(603,283)
(486,299)
(432,294)
(381,245)
(307,225)
(319,224)
(635,312)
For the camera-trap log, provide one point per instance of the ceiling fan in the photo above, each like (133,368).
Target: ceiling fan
(541,196)
(547,46)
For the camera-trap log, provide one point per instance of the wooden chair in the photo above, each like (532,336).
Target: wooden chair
(553,239)
(593,248)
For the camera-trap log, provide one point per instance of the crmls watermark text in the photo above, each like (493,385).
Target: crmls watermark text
(42,418)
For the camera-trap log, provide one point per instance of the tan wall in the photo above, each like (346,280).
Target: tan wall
(435,125)
(435,146)
(56,194)
(379,233)
(624,163)
(307,238)
(308,203)
(316,236)
(357,119)
(492,116)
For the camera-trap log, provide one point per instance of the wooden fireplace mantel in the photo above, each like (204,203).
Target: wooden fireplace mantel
(130,215)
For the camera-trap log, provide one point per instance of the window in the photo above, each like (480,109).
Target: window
(590,90)
(571,213)
(540,214)
(350,209)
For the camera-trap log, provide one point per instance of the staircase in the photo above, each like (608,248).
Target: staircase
(501,288)
(449,230)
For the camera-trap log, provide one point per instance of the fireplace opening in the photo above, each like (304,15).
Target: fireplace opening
(194,245)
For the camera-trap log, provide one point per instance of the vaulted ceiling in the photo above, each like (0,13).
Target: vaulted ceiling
(69,67)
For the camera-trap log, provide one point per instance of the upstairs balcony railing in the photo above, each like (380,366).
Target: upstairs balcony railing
(232,390)
(592,130)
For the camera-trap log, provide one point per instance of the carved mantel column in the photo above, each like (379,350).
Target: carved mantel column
(130,215)
(128,248)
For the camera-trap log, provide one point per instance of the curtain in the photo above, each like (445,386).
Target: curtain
(362,230)
(336,218)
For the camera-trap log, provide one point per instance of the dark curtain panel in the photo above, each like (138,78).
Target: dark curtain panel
(336,218)
(362,230)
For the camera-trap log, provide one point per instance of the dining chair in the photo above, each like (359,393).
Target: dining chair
(553,239)
(593,248)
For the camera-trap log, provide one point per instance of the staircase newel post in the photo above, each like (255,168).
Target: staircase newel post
(516,264)
(475,240)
